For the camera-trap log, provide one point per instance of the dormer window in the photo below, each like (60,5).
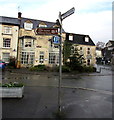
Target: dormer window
(109,44)
(42,24)
(86,39)
(28,25)
(56,26)
(71,37)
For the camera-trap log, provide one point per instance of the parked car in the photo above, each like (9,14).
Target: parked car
(2,64)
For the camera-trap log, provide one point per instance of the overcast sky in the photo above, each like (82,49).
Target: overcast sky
(91,17)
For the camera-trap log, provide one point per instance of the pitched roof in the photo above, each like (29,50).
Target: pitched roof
(112,43)
(16,21)
(9,20)
(79,39)
(36,22)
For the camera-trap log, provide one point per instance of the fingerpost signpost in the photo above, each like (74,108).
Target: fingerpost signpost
(61,18)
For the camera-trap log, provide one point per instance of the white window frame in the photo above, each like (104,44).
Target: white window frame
(6,42)
(53,58)
(86,39)
(27,58)
(28,26)
(7,30)
(41,57)
(43,25)
(5,58)
(71,37)
(28,43)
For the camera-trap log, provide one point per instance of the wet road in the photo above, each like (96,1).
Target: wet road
(99,81)
(89,95)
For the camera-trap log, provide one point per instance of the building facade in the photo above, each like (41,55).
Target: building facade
(108,52)
(36,47)
(30,42)
(85,46)
(99,56)
(9,29)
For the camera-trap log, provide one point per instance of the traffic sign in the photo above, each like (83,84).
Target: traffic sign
(68,13)
(46,31)
(56,39)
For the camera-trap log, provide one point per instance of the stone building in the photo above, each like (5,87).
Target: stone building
(99,55)
(108,52)
(35,45)
(20,40)
(9,28)
(85,46)
(30,42)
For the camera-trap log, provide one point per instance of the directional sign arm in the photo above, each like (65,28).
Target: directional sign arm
(68,13)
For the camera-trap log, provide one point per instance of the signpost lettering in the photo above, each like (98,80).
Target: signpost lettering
(46,31)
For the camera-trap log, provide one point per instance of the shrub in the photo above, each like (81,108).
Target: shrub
(14,84)
(89,69)
(65,69)
(12,62)
(38,68)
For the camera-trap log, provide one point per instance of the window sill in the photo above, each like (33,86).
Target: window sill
(7,34)
(6,48)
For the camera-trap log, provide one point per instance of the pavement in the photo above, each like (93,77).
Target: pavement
(87,95)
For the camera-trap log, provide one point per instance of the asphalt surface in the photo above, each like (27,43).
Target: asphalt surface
(82,95)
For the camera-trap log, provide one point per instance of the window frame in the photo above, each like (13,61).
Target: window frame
(86,39)
(53,58)
(27,57)
(28,26)
(6,44)
(70,37)
(7,30)
(41,57)
(42,25)
(3,58)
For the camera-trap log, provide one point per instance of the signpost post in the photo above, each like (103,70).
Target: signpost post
(61,18)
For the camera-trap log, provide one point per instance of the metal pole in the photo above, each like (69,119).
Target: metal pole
(60,66)
(61,17)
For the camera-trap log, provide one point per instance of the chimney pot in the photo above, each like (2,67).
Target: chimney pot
(19,15)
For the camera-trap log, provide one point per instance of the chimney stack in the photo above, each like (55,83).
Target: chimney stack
(19,15)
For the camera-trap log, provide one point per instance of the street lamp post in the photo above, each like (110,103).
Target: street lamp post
(61,17)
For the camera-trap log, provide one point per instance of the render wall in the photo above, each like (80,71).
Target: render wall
(14,40)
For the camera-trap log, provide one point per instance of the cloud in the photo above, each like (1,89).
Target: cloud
(9,9)
(92,17)
(97,25)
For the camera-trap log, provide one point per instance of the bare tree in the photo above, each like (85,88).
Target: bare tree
(100,44)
